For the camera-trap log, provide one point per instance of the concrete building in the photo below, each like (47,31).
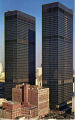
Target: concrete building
(57,52)
(2,74)
(19,50)
(39,76)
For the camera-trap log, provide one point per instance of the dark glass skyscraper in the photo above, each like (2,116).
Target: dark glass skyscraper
(19,50)
(57,52)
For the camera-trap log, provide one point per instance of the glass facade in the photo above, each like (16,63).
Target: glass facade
(19,50)
(2,89)
(57,52)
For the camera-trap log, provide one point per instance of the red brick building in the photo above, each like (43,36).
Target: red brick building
(29,111)
(17,94)
(40,97)
(33,95)
(11,110)
(29,101)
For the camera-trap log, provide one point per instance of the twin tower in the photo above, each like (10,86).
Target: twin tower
(57,51)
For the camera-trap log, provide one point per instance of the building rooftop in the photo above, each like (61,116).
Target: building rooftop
(19,13)
(57,4)
(10,102)
(28,106)
(32,87)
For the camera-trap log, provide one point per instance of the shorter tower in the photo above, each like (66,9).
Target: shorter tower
(19,50)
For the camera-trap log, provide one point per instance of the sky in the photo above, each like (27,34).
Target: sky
(34,8)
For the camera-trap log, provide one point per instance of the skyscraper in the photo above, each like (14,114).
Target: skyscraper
(19,50)
(57,52)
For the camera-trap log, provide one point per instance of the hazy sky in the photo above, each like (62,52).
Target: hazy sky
(34,8)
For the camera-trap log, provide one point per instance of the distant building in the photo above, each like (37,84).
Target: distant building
(39,76)
(1,101)
(19,50)
(57,52)
(1,68)
(2,76)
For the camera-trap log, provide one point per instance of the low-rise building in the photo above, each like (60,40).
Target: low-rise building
(29,101)
(29,111)
(40,97)
(10,110)
(33,95)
